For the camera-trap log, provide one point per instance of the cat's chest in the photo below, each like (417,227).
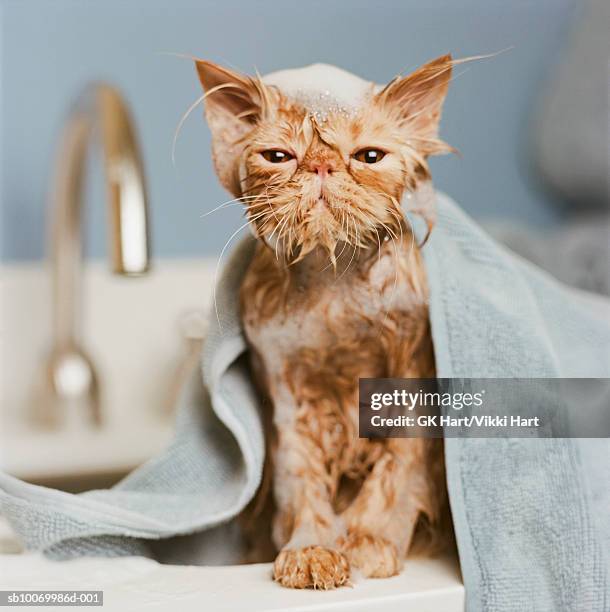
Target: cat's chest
(319,310)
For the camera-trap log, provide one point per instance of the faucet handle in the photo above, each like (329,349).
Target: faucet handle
(70,393)
(193,325)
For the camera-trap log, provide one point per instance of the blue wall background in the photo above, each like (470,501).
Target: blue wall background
(49,49)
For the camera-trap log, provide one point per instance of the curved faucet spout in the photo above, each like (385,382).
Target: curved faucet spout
(99,111)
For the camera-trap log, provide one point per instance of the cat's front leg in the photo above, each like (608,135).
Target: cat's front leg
(381,520)
(305,527)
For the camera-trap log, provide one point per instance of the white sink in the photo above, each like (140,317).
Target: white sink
(132,334)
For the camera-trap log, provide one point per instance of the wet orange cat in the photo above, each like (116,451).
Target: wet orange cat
(336,291)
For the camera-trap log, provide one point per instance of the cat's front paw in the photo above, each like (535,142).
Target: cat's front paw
(311,567)
(373,555)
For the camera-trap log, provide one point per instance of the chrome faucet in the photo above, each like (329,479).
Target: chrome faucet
(70,378)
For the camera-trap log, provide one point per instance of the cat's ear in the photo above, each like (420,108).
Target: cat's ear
(233,104)
(419,97)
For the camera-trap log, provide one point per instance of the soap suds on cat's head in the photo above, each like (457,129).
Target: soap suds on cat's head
(323,89)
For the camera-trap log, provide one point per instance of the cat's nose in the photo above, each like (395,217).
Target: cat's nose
(323,168)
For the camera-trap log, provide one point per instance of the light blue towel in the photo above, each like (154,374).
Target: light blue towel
(532,517)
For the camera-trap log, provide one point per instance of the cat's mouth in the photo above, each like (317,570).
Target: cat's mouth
(319,208)
(321,205)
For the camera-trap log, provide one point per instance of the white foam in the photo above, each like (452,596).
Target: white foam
(321,87)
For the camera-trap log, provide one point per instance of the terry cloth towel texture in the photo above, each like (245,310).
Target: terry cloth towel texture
(531,516)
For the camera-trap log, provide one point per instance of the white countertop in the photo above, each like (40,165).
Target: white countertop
(134,584)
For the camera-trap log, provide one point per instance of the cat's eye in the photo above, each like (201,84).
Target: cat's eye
(277,156)
(369,156)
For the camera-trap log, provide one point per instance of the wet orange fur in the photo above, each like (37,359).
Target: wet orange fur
(336,291)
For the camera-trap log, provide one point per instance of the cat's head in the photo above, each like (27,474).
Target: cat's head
(322,158)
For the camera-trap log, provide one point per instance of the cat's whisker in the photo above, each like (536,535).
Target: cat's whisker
(395,266)
(412,247)
(252,217)
(222,252)
(344,236)
(292,226)
(263,182)
(343,230)
(279,227)
(184,117)
(247,113)
(411,252)
(234,201)
(388,230)
(337,257)
(245,178)
(354,249)
(225,206)
(404,219)
(399,219)
(378,245)
(282,222)
(269,204)
(392,294)
(290,231)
